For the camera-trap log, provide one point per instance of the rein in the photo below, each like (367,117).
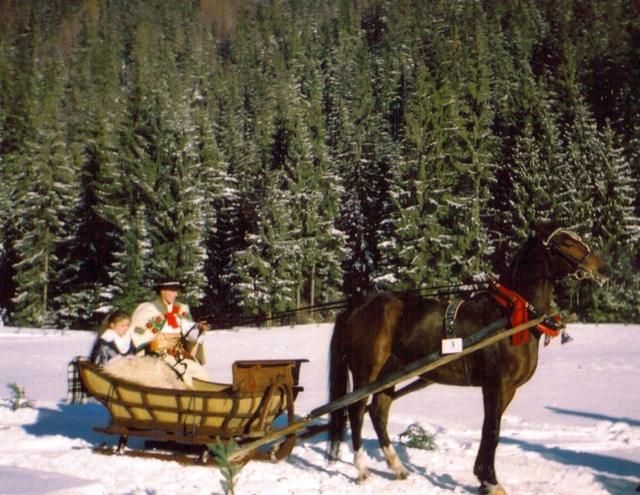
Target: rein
(180,353)
(433,291)
(482,283)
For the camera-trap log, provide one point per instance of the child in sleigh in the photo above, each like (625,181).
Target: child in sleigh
(113,341)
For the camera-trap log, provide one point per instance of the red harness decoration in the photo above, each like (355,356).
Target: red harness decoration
(519,313)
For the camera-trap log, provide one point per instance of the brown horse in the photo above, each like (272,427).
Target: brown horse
(390,330)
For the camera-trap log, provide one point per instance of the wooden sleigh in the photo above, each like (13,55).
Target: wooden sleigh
(190,420)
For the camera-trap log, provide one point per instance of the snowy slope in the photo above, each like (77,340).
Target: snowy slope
(574,428)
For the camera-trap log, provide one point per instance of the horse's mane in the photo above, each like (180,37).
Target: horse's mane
(529,265)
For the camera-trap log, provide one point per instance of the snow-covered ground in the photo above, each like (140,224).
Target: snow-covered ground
(574,428)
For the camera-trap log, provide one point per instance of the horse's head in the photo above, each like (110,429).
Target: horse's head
(574,257)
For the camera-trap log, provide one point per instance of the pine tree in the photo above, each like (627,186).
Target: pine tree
(476,164)
(312,182)
(20,39)
(530,173)
(233,202)
(6,243)
(279,267)
(605,194)
(426,187)
(618,226)
(46,193)
(359,146)
(177,224)
(93,109)
(533,178)
(127,191)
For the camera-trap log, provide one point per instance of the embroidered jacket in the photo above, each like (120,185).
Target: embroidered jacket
(152,318)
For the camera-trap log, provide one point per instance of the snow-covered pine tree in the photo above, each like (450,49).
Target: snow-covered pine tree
(92,103)
(314,182)
(385,124)
(442,183)
(531,173)
(365,208)
(229,201)
(5,220)
(266,267)
(244,123)
(473,79)
(618,225)
(177,216)
(127,187)
(358,140)
(537,188)
(212,183)
(45,196)
(20,40)
(121,205)
(274,266)
(605,191)
(429,207)
(280,266)
(325,276)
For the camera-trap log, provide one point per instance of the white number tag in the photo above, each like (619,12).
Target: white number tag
(451,346)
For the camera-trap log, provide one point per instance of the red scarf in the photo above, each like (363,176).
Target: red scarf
(172,316)
(519,313)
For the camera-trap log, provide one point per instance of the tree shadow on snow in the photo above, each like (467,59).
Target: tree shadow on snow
(616,486)
(319,446)
(327,468)
(72,421)
(609,469)
(443,481)
(372,448)
(596,416)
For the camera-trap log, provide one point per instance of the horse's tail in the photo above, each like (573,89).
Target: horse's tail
(338,382)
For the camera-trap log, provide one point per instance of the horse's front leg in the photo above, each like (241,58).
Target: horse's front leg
(379,412)
(496,395)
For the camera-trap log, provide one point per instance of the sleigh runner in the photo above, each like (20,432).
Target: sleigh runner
(242,411)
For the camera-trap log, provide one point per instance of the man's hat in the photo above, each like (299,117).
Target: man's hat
(167,284)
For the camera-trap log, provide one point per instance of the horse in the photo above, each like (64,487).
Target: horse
(389,330)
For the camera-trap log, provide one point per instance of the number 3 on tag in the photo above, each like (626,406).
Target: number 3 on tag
(451,346)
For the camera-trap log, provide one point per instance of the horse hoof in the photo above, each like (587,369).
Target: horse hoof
(490,489)
(362,478)
(402,475)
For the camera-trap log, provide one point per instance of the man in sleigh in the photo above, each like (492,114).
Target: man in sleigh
(164,328)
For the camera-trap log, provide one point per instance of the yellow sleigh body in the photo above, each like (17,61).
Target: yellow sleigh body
(243,410)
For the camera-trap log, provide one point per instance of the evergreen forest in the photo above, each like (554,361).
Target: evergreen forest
(276,154)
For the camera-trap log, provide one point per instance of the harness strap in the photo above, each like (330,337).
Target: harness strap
(450,315)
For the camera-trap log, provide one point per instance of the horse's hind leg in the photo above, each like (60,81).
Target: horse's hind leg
(379,412)
(356,419)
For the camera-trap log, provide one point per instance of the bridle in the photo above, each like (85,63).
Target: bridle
(580,272)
